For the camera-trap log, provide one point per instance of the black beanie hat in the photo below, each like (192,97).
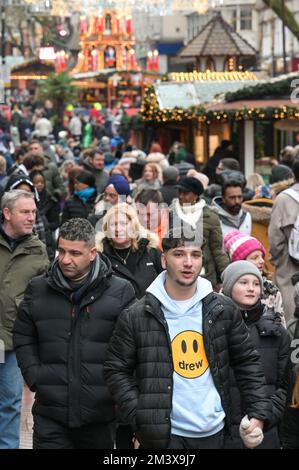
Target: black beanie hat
(86,177)
(190,184)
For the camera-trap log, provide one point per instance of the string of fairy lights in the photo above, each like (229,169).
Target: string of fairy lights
(149,7)
(151,111)
(208,75)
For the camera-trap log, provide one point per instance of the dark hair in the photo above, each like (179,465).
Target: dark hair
(224,144)
(37,173)
(32,160)
(78,230)
(231,184)
(182,235)
(35,141)
(72,177)
(149,195)
(95,152)
(19,152)
(232,179)
(230,164)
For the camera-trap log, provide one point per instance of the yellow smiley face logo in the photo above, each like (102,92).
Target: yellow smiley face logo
(189,356)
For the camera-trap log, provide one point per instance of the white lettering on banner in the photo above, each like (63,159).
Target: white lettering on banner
(295,352)
(295,92)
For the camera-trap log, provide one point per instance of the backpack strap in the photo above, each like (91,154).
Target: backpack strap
(292,193)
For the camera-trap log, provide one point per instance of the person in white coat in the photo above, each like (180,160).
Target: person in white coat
(283,217)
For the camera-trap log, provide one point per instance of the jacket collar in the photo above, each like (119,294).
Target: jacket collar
(23,243)
(142,245)
(97,282)
(211,307)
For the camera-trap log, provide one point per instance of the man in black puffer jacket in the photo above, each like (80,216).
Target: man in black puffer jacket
(61,335)
(168,361)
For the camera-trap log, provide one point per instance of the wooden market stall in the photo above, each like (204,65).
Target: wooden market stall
(263,118)
(260,117)
(183,118)
(114,88)
(29,73)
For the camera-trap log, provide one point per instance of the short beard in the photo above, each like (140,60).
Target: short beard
(185,284)
(234,210)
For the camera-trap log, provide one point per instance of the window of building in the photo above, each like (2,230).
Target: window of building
(245,19)
(210,64)
(234,20)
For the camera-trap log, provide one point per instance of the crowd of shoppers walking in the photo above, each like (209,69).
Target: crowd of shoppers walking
(145,300)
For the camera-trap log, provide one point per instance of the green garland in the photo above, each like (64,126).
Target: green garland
(255,114)
(151,112)
(129,123)
(277,89)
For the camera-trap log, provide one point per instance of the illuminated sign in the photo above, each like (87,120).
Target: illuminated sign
(47,53)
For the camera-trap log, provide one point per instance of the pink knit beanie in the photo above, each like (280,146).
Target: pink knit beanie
(239,245)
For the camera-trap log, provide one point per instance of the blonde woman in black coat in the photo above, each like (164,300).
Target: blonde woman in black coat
(134,255)
(132,250)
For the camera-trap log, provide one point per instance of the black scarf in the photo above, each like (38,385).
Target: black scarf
(99,269)
(267,323)
(253,314)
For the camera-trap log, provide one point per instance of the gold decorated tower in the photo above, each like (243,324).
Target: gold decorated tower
(106,42)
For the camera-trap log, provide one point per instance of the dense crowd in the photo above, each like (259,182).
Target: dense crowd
(89,229)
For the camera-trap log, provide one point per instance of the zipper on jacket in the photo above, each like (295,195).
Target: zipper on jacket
(88,312)
(163,322)
(208,340)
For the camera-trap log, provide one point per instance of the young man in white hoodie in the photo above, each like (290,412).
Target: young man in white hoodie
(168,361)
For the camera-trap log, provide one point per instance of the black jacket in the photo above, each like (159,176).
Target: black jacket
(50,208)
(141,345)
(75,207)
(272,342)
(147,266)
(61,346)
(169,192)
(101,176)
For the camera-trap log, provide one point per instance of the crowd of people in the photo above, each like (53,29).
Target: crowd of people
(146,301)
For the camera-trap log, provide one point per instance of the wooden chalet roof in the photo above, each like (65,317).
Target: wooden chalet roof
(34,65)
(217,38)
